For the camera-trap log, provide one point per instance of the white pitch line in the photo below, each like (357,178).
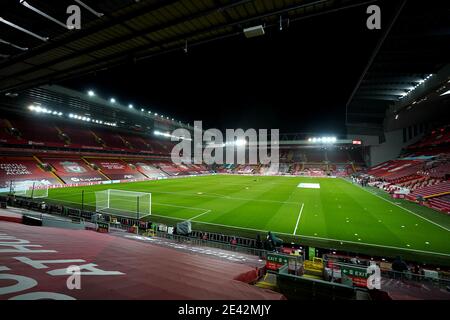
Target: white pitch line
(201,214)
(320,238)
(417,215)
(209,195)
(298,219)
(328,239)
(176,206)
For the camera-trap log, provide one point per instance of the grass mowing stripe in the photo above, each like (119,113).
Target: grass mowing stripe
(211,195)
(407,210)
(298,219)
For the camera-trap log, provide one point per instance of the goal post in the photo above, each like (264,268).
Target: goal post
(124,203)
(29,189)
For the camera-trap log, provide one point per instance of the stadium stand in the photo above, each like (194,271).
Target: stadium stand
(148,169)
(436,138)
(169,168)
(73,170)
(115,169)
(337,156)
(111,140)
(422,173)
(440,203)
(80,139)
(314,155)
(48,134)
(431,191)
(136,142)
(24,169)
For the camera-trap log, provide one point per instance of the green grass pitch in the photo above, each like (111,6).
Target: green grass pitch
(339,215)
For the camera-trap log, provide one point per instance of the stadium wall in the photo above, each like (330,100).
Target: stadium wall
(390,148)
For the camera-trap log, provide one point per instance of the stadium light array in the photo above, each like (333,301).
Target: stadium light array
(88,119)
(168,135)
(411,89)
(39,109)
(323,140)
(91,93)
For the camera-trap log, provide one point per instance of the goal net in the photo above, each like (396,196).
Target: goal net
(29,189)
(123,203)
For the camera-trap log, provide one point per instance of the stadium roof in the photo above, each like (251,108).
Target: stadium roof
(417,45)
(128,30)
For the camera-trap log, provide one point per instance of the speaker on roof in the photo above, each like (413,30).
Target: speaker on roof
(254,31)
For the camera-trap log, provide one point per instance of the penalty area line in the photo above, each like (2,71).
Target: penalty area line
(298,219)
(201,214)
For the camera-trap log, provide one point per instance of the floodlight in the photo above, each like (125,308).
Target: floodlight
(130,106)
(112,100)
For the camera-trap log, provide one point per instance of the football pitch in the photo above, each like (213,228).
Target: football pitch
(328,212)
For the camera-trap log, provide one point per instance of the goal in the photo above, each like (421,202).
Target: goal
(29,189)
(124,203)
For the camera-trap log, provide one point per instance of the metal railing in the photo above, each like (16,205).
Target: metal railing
(262,254)
(439,281)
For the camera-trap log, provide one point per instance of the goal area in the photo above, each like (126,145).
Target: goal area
(130,204)
(29,189)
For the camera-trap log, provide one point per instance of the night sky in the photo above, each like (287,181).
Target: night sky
(297,80)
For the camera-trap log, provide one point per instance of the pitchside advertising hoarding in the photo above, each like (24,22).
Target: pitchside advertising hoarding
(358,276)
